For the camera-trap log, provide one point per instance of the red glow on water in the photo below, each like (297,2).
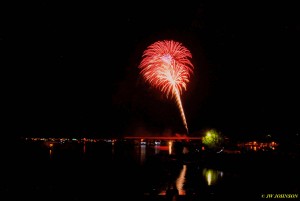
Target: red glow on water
(163,148)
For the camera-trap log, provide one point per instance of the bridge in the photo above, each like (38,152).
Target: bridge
(162,138)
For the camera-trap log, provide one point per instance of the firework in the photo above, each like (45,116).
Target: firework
(166,66)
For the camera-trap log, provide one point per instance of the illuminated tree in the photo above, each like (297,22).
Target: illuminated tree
(213,139)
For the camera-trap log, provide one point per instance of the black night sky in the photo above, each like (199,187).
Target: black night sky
(71,68)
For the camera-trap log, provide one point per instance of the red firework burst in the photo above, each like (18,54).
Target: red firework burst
(166,66)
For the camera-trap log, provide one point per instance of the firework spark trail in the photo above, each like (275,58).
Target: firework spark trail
(179,104)
(166,66)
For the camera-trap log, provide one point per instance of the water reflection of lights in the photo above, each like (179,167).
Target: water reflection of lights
(212,176)
(170,143)
(112,150)
(50,153)
(84,148)
(180,181)
(178,185)
(156,149)
(143,153)
(50,150)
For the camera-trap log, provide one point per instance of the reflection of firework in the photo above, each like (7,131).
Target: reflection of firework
(166,66)
(212,176)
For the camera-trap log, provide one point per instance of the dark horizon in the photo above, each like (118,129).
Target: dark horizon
(72,68)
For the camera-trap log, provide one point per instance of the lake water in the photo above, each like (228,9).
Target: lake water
(106,171)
